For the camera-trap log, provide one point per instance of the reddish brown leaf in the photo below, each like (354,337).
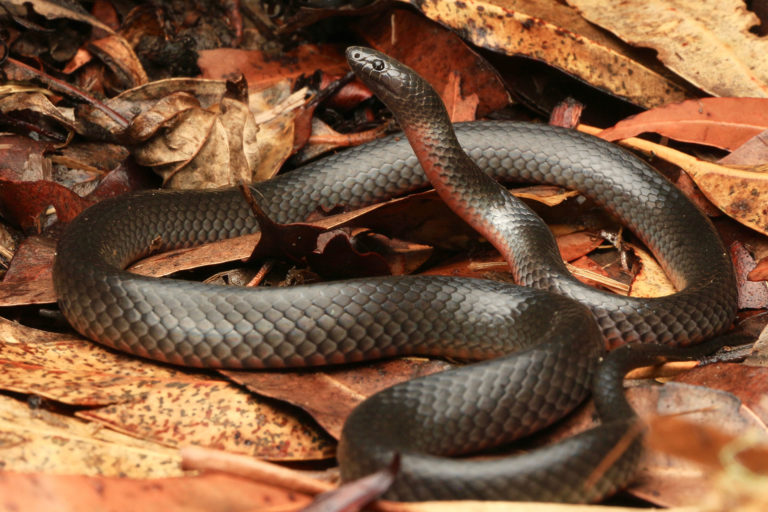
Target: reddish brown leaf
(575,245)
(436,54)
(33,261)
(754,152)
(261,71)
(725,123)
(760,272)
(196,493)
(118,55)
(335,257)
(23,159)
(752,294)
(702,444)
(566,113)
(24,203)
(749,383)
(24,293)
(330,394)
(122,179)
(348,96)
(460,108)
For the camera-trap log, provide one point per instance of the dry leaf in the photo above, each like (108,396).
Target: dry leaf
(673,482)
(38,440)
(55,10)
(754,152)
(736,192)
(193,494)
(154,402)
(460,108)
(329,395)
(437,55)
(195,137)
(39,104)
(262,71)
(507,27)
(707,42)
(118,55)
(748,383)
(650,280)
(725,123)
(734,486)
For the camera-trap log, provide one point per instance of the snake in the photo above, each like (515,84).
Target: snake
(538,346)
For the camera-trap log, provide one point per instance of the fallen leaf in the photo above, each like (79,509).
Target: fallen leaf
(118,55)
(54,10)
(330,394)
(754,152)
(191,494)
(508,27)
(261,71)
(437,54)
(748,383)
(725,123)
(25,293)
(650,280)
(26,203)
(39,440)
(32,261)
(35,107)
(154,402)
(734,191)
(715,53)
(752,295)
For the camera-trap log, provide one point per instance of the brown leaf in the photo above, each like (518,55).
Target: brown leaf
(194,493)
(760,272)
(54,10)
(553,34)
(330,394)
(703,445)
(437,54)
(155,402)
(261,71)
(33,261)
(37,110)
(725,123)
(196,458)
(460,108)
(672,482)
(23,159)
(24,293)
(716,53)
(650,280)
(335,257)
(25,203)
(754,152)
(118,55)
(748,383)
(752,295)
(736,192)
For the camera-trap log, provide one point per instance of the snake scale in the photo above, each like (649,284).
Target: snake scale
(541,344)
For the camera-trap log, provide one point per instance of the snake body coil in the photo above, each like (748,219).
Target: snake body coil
(463,410)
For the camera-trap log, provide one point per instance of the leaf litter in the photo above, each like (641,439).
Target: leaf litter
(191,128)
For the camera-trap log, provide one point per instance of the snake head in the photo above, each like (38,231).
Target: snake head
(393,82)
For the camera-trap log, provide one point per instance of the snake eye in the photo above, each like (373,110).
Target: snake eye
(356,55)
(378,64)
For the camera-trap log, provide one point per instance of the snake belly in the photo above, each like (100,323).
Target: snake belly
(557,341)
